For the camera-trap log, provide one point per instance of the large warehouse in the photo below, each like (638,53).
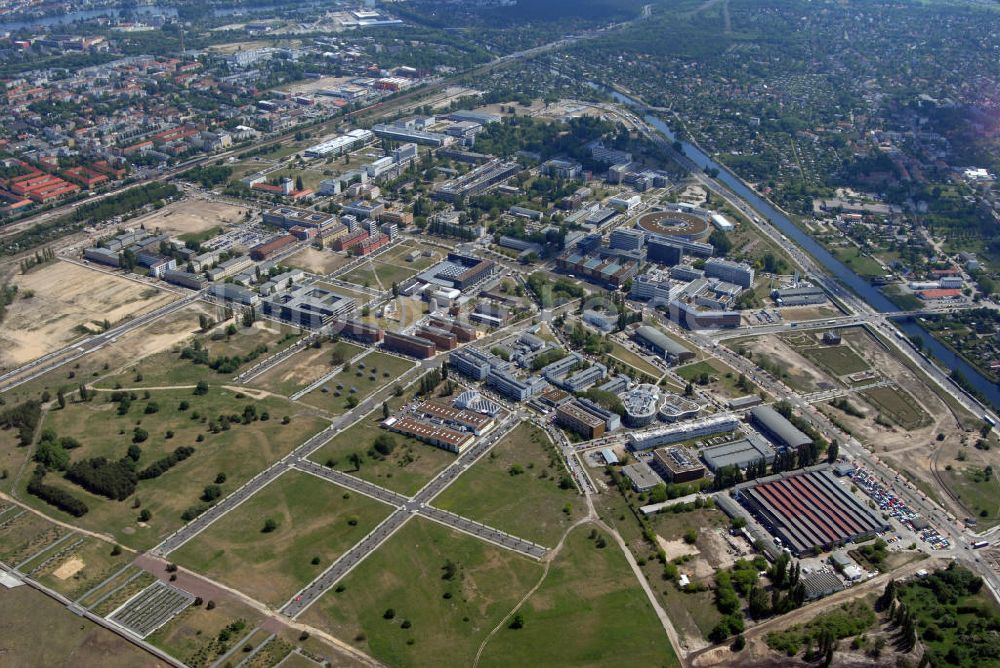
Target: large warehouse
(774,425)
(808,510)
(664,346)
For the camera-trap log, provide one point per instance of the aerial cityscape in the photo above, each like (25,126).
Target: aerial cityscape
(499,333)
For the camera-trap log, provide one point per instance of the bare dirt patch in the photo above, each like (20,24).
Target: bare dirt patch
(192,216)
(69,568)
(676,548)
(66,296)
(315,261)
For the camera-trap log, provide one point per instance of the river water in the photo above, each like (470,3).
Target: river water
(835,267)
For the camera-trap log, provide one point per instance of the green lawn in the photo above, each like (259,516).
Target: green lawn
(976,492)
(168,368)
(379,274)
(723,379)
(625,355)
(12,458)
(239,452)
(528,503)
(194,635)
(315,519)
(449,617)
(305,367)
(98,564)
(407,468)
(372,372)
(839,360)
(862,265)
(589,611)
(897,405)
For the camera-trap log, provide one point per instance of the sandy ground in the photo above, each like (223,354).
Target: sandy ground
(69,568)
(192,216)
(804,373)
(676,548)
(315,84)
(314,261)
(161,335)
(67,295)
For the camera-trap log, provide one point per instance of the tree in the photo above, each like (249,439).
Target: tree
(385,411)
(201,388)
(61,397)
(833,451)
(516,622)
(269,525)
(145,515)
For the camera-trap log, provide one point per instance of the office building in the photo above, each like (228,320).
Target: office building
(710,426)
(677,465)
(308,306)
(409,345)
(740,453)
(739,273)
(663,251)
(436,435)
(626,239)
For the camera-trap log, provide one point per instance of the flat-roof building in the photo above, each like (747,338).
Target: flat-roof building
(642,476)
(716,424)
(309,306)
(739,453)
(409,345)
(437,435)
(575,417)
(677,465)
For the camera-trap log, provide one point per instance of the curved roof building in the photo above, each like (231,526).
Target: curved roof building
(663,345)
(640,405)
(680,224)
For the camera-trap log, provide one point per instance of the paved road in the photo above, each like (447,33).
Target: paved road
(407,508)
(58,358)
(355,484)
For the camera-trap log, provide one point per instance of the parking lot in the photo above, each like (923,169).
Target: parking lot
(898,510)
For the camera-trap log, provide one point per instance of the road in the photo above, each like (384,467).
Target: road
(407,507)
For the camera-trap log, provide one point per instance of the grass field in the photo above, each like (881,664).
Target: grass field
(724,380)
(407,468)
(529,504)
(239,452)
(167,368)
(315,519)
(625,355)
(194,635)
(305,367)
(12,458)
(38,631)
(379,274)
(372,372)
(589,611)
(449,617)
(838,360)
(21,535)
(978,493)
(83,568)
(897,405)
